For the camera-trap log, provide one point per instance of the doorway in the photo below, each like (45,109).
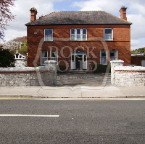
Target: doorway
(79,60)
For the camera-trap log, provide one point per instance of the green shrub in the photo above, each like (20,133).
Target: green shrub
(101,68)
(24,48)
(6,59)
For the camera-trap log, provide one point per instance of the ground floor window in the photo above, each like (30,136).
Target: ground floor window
(113,54)
(54,55)
(103,58)
(43,56)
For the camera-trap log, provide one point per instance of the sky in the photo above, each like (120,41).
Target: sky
(135,14)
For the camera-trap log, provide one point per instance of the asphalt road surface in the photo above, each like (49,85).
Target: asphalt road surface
(72,122)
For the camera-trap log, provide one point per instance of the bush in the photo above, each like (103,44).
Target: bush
(101,68)
(6,59)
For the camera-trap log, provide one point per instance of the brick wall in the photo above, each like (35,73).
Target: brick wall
(121,40)
(137,60)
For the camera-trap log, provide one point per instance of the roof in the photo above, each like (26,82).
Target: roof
(78,17)
(138,55)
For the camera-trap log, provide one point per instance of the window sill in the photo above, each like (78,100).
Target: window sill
(103,64)
(78,40)
(48,41)
(108,39)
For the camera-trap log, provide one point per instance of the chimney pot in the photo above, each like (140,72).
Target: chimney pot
(33,11)
(123,13)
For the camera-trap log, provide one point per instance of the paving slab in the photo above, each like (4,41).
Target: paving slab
(73,92)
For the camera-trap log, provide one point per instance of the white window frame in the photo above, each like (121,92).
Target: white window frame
(115,53)
(84,34)
(75,34)
(105,35)
(78,34)
(43,57)
(52,58)
(44,34)
(101,57)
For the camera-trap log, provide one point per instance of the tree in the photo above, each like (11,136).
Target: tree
(5,15)
(17,44)
(12,45)
(23,48)
(6,58)
(139,50)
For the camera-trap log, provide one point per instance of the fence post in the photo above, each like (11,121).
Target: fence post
(53,65)
(115,63)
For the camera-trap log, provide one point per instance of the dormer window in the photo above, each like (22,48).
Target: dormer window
(108,34)
(78,34)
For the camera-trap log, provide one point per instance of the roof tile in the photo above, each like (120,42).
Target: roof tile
(78,17)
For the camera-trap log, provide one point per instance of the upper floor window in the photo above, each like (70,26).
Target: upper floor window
(43,56)
(84,34)
(72,34)
(108,34)
(78,34)
(48,35)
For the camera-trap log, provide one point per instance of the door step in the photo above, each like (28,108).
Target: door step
(78,71)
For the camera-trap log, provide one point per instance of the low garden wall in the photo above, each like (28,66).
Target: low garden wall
(127,75)
(29,76)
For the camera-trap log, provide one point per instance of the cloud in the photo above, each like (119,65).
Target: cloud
(135,44)
(21,10)
(109,6)
(12,33)
(135,14)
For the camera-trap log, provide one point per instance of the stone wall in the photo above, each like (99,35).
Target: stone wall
(127,75)
(29,76)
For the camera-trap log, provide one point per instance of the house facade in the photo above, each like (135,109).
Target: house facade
(78,38)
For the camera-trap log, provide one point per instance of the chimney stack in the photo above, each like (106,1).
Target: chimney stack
(123,13)
(33,14)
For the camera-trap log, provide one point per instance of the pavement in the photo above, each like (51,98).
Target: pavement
(72,92)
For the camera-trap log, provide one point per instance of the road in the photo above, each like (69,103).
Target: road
(72,121)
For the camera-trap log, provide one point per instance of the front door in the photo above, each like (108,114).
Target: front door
(73,61)
(84,60)
(79,62)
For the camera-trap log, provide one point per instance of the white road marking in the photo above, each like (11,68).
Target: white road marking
(25,115)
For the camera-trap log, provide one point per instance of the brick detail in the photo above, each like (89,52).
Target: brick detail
(124,71)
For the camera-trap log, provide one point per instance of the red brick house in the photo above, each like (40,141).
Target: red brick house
(77,38)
